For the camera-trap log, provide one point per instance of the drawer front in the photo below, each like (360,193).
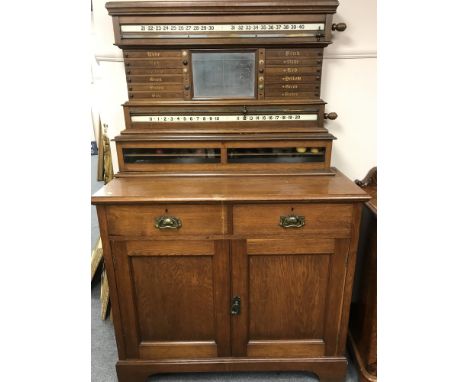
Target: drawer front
(280,88)
(332,220)
(175,220)
(292,90)
(153,54)
(154,72)
(153,63)
(289,94)
(274,54)
(291,70)
(157,79)
(164,95)
(158,87)
(286,79)
(287,61)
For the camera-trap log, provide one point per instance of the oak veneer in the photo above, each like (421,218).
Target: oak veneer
(202,276)
(174,296)
(199,189)
(139,220)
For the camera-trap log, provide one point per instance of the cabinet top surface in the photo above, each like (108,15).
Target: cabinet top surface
(190,189)
(135,7)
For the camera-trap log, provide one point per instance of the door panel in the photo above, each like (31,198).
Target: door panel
(180,294)
(287,296)
(182,288)
(291,296)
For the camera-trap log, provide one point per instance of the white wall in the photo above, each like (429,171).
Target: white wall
(348,85)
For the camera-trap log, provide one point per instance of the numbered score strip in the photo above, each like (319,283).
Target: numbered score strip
(213,28)
(223,118)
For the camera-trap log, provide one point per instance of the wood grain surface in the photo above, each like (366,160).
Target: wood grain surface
(172,290)
(230,189)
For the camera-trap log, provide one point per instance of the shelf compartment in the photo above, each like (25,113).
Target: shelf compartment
(150,155)
(277,155)
(192,154)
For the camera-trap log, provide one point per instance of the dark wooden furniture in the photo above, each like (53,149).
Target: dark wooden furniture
(228,239)
(363,319)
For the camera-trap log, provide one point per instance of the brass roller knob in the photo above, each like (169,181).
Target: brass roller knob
(340,27)
(331,116)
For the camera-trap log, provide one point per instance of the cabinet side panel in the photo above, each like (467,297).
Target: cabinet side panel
(348,289)
(102,217)
(336,286)
(126,298)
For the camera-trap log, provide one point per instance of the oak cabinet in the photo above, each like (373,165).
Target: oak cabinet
(229,240)
(245,286)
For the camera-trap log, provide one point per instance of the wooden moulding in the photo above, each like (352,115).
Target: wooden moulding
(214,12)
(329,369)
(216,7)
(222,137)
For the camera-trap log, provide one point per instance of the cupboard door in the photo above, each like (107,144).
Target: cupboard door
(291,295)
(174,297)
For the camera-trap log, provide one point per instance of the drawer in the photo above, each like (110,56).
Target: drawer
(289,94)
(312,79)
(153,63)
(333,220)
(160,87)
(131,220)
(157,79)
(293,53)
(155,72)
(294,61)
(278,70)
(153,54)
(151,95)
(279,88)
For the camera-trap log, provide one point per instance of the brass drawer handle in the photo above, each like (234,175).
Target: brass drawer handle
(292,221)
(167,222)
